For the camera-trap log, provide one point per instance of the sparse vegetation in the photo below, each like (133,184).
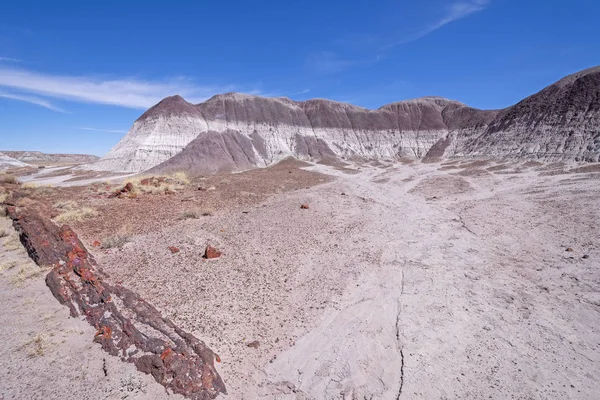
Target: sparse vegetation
(38,190)
(115,241)
(8,266)
(3,196)
(72,212)
(181,178)
(157,185)
(8,178)
(37,345)
(3,233)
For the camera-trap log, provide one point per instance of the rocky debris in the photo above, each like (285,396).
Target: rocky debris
(211,252)
(173,249)
(128,188)
(585,256)
(96,243)
(127,326)
(255,344)
(569,249)
(304,206)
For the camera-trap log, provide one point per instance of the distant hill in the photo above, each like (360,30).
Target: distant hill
(7,162)
(235,131)
(37,157)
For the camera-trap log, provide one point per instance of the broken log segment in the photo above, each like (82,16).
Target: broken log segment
(127,326)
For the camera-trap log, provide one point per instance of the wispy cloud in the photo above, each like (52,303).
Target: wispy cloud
(8,59)
(454,12)
(33,100)
(103,130)
(131,93)
(300,92)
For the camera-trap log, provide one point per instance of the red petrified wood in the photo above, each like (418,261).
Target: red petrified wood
(211,252)
(126,325)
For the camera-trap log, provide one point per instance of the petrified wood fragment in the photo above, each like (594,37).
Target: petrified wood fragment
(127,326)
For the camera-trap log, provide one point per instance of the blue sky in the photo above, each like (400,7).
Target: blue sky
(74,75)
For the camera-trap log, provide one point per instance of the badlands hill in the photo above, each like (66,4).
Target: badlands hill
(7,162)
(236,131)
(39,157)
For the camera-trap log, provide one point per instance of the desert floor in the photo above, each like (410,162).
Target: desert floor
(461,280)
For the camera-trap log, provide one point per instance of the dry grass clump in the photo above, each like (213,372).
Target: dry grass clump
(115,241)
(72,212)
(181,178)
(26,272)
(3,233)
(4,194)
(38,190)
(8,178)
(158,184)
(37,345)
(7,266)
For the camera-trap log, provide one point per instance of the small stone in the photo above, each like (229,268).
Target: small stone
(569,249)
(585,256)
(254,344)
(304,206)
(173,249)
(96,243)
(343,193)
(211,252)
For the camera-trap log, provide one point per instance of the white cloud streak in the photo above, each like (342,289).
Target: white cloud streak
(103,130)
(456,11)
(33,100)
(8,59)
(130,93)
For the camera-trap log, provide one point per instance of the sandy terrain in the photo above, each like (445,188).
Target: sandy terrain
(420,281)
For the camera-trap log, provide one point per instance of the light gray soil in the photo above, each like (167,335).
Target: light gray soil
(418,283)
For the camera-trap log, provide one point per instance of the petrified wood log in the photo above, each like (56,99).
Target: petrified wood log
(127,326)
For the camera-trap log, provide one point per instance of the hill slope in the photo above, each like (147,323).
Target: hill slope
(236,131)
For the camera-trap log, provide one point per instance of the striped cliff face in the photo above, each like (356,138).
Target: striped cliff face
(235,131)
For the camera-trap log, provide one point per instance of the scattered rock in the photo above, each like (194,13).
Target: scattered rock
(128,188)
(343,194)
(304,206)
(569,249)
(585,256)
(96,243)
(173,249)
(211,252)
(254,344)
